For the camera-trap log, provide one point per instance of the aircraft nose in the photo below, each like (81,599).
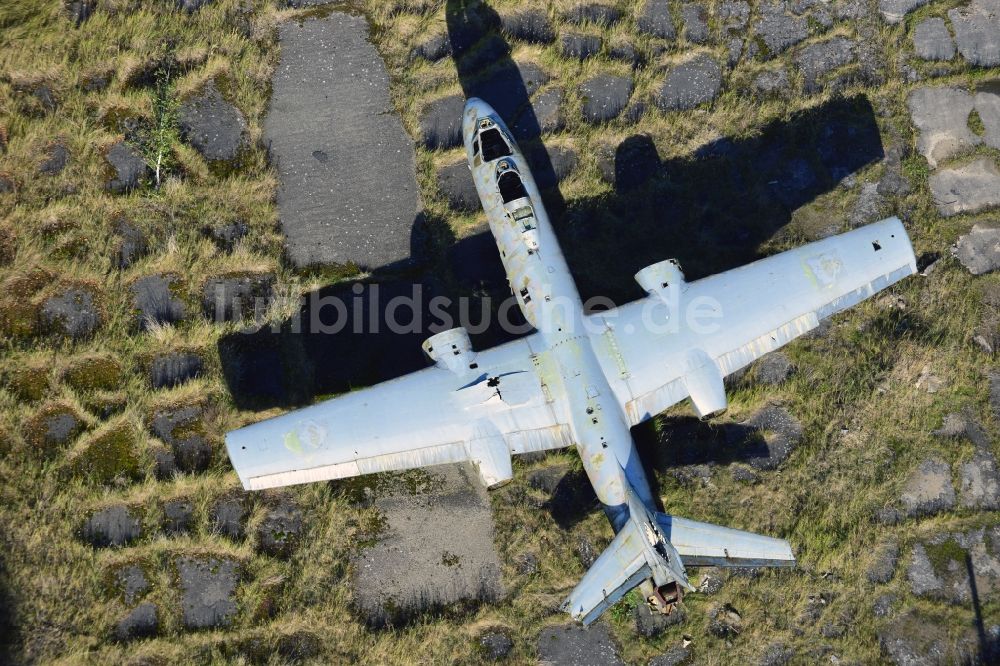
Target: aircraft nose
(477,108)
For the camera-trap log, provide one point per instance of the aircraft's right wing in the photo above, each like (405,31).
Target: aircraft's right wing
(744,313)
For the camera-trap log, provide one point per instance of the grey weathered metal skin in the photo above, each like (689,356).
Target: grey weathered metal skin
(581,380)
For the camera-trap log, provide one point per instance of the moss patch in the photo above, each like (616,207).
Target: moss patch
(106,404)
(19,319)
(943,553)
(29,383)
(95,373)
(362,489)
(52,426)
(19,314)
(976,125)
(108,456)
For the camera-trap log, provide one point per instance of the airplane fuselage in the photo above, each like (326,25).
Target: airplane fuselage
(545,290)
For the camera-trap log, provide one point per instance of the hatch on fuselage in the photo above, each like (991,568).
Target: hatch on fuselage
(511,187)
(493,144)
(524,219)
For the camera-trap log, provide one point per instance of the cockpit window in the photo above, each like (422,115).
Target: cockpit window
(475,146)
(494,145)
(511,187)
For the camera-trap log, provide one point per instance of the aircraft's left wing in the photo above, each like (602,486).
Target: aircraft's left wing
(657,353)
(430,417)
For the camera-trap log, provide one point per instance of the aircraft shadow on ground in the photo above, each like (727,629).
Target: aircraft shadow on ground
(710,210)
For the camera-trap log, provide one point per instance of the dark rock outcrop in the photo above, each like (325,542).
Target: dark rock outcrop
(237,296)
(55,160)
(694,17)
(777,31)
(774,368)
(772,82)
(178,516)
(279,532)
(655,20)
(769,437)
(132,582)
(183,430)
(600,14)
(174,368)
(690,84)
(113,526)
(215,128)
(441,122)
(455,182)
(545,115)
(51,428)
(883,568)
(575,645)
(73,313)
(228,516)
(651,624)
(605,97)
(208,587)
(227,236)
(815,60)
(140,622)
(495,644)
(155,299)
(929,489)
(128,168)
(131,243)
(675,656)
(579,46)
(530,25)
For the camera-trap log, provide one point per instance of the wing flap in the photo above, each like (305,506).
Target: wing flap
(704,544)
(423,457)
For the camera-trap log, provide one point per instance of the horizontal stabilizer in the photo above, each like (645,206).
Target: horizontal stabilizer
(704,544)
(620,567)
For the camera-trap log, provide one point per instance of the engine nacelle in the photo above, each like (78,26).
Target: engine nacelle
(451,349)
(663,279)
(491,457)
(704,384)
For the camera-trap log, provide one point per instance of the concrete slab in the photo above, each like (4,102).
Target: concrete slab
(348,183)
(436,549)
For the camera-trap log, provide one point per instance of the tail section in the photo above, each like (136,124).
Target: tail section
(621,567)
(651,550)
